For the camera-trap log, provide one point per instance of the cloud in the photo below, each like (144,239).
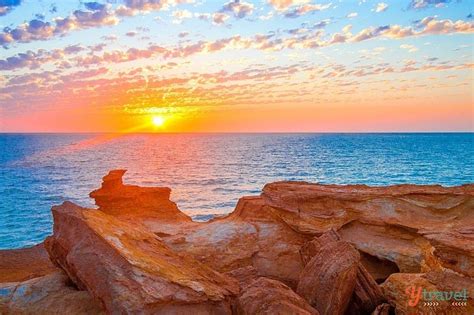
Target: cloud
(352,15)
(380,7)
(240,9)
(219,18)
(7,5)
(153,5)
(420,4)
(301,38)
(180,15)
(427,26)
(410,48)
(94,6)
(283,5)
(306,8)
(39,30)
(95,15)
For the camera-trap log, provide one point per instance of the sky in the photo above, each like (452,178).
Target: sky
(237,66)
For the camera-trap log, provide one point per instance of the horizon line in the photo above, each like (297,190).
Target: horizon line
(233,132)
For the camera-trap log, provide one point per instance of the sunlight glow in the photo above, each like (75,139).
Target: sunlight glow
(158,121)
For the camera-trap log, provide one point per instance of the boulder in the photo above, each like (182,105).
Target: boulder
(52,294)
(267,296)
(367,294)
(128,269)
(327,282)
(18,265)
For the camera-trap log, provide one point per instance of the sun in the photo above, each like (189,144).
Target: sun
(158,121)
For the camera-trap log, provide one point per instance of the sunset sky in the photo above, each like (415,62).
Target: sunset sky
(248,66)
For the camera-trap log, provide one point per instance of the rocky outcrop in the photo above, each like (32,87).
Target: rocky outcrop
(410,226)
(118,199)
(53,294)
(332,245)
(23,264)
(267,296)
(130,270)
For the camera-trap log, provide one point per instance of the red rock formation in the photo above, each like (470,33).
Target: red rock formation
(328,280)
(267,296)
(366,295)
(50,294)
(23,264)
(129,269)
(128,200)
(411,226)
(140,250)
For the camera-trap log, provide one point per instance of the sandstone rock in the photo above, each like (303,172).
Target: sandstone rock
(395,224)
(311,248)
(245,275)
(328,280)
(367,295)
(128,200)
(251,236)
(130,270)
(18,265)
(48,295)
(455,249)
(410,293)
(382,309)
(267,296)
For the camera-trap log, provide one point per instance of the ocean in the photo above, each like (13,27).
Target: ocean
(208,173)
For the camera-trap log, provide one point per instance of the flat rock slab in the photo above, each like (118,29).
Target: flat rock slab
(18,265)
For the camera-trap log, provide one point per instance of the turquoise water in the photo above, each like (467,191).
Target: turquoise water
(209,172)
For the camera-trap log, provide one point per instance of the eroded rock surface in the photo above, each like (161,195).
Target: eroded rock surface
(52,294)
(129,200)
(328,280)
(23,264)
(267,296)
(139,253)
(130,270)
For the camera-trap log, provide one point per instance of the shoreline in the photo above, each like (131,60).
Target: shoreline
(394,237)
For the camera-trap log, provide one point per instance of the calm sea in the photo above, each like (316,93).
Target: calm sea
(209,172)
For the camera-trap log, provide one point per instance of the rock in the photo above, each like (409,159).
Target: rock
(426,293)
(128,200)
(130,270)
(328,280)
(408,228)
(382,309)
(18,265)
(251,236)
(267,296)
(311,248)
(455,249)
(50,294)
(139,250)
(245,275)
(367,295)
